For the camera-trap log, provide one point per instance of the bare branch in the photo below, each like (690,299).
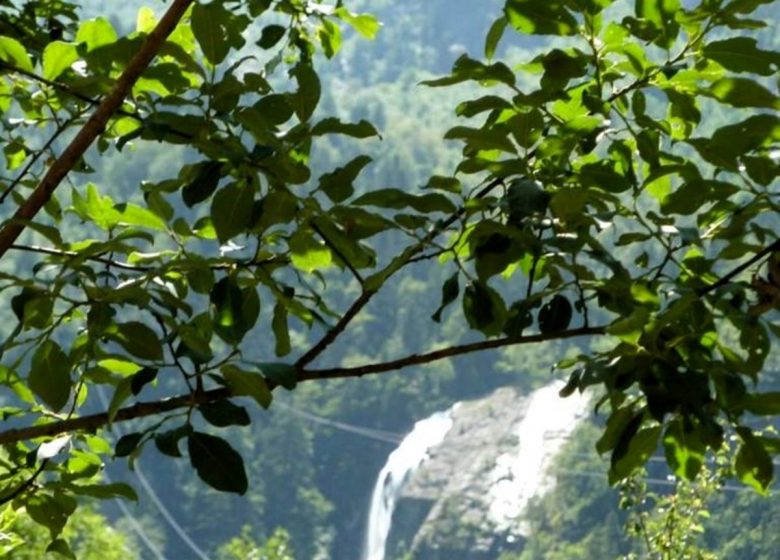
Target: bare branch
(93,127)
(141,410)
(766,251)
(95,421)
(449,352)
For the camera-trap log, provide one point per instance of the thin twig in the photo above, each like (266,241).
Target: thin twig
(60,129)
(383,275)
(449,352)
(28,482)
(332,246)
(65,89)
(766,251)
(134,267)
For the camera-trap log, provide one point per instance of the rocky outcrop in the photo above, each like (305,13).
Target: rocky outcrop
(466,500)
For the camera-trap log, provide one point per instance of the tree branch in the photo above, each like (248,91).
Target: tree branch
(766,251)
(137,267)
(94,421)
(64,88)
(141,410)
(60,129)
(449,352)
(93,127)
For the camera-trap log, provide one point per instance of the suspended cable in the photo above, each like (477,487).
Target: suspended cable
(158,503)
(370,433)
(136,525)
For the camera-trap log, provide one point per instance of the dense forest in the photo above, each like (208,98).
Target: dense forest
(313,457)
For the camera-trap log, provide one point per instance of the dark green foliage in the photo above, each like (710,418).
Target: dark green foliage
(622,183)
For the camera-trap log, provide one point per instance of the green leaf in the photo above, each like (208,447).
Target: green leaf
(741,54)
(217,463)
(660,15)
(449,292)
(168,442)
(33,307)
(684,449)
(50,375)
(271,35)
(234,310)
(690,196)
(338,184)
(629,328)
(731,141)
(122,392)
(106,491)
(398,199)
(741,92)
(127,444)
(204,184)
(13,52)
(555,315)
(329,36)
(281,330)
(484,309)
(309,90)
(224,413)
(50,511)
(764,404)
(143,377)
(468,69)
(604,176)
(231,210)
(138,339)
(366,25)
(622,420)
(216,30)
(752,464)
(96,33)
(57,57)
(493,248)
(307,253)
(494,35)
(285,375)
(540,17)
(638,449)
(246,383)
(332,125)
(61,547)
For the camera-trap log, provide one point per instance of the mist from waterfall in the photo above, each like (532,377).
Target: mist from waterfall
(399,467)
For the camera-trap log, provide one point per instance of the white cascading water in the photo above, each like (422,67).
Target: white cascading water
(400,465)
(522,474)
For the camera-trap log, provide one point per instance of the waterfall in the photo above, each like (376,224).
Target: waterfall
(400,465)
(516,471)
(522,474)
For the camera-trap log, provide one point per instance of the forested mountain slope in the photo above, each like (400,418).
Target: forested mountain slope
(313,457)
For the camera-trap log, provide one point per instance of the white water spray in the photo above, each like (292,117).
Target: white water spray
(400,465)
(522,474)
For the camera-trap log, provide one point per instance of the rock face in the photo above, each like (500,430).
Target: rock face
(466,500)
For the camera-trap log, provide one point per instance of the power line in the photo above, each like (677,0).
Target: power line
(658,481)
(158,503)
(136,525)
(370,433)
